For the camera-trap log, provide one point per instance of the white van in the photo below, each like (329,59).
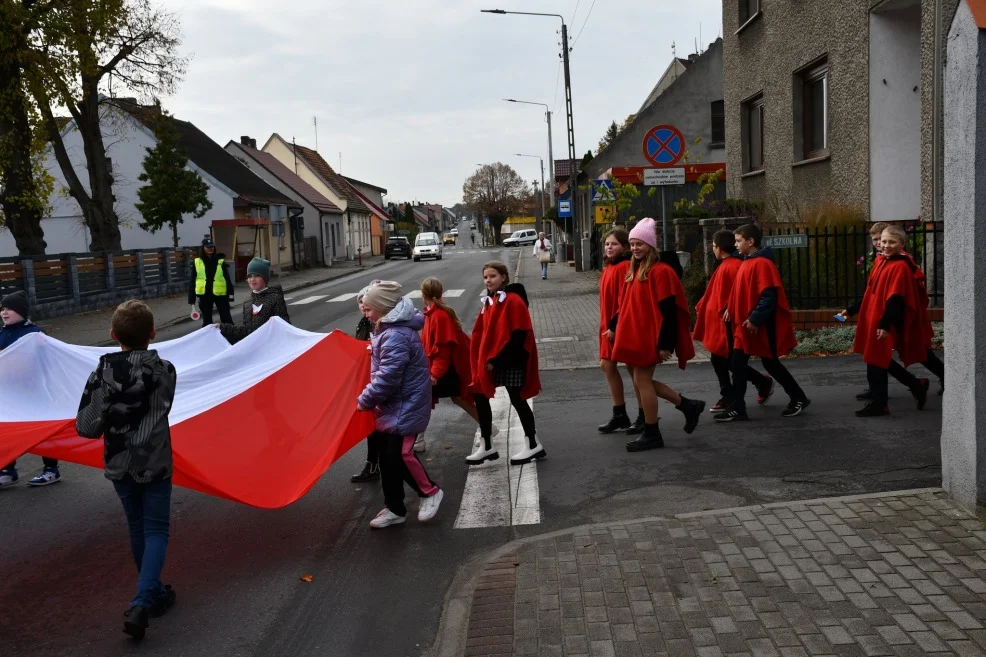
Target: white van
(528,236)
(427,245)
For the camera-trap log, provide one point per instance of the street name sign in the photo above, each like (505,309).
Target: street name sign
(793,241)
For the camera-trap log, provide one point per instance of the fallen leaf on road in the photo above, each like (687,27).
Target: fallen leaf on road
(307,578)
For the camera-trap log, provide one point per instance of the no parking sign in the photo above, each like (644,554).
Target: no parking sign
(664,145)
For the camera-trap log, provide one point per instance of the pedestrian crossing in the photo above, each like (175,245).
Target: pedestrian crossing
(351,296)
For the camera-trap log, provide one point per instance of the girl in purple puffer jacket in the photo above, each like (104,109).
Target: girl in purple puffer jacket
(399,394)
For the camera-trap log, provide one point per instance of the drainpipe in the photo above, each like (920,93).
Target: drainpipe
(936,115)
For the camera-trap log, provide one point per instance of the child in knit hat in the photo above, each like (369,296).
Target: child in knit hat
(265,301)
(399,395)
(14,311)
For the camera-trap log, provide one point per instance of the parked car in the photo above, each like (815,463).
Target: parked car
(526,237)
(397,247)
(472,224)
(449,238)
(455,232)
(427,245)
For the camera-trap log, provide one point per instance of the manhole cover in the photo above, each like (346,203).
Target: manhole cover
(567,338)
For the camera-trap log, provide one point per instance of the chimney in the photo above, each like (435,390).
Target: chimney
(253,143)
(245,140)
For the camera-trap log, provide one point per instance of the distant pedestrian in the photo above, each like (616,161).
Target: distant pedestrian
(712,329)
(266,301)
(504,353)
(211,284)
(761,319)
(15,313)
(612,287)
(126,402)
(653,324)
(542,251)
(399,394)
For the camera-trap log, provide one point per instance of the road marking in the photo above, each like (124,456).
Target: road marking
(413,294)
(344,297)
(496,493)
(453,293)
(307,300)
(288,298)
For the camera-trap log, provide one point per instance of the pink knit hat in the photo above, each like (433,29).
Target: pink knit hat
(646,232)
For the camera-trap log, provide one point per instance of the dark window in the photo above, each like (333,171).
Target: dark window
(814,110)
(748,9)
(718,121)
(753,134)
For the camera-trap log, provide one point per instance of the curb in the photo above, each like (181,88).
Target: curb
(453,625)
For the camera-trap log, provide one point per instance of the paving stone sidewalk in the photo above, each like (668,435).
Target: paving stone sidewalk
(565,313)
(90,328)
(895,574)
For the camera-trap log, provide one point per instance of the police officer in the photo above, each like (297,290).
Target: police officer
(210,282)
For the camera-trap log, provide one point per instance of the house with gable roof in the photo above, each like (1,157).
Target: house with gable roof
(381,223)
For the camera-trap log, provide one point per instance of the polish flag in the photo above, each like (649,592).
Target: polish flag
(257,422)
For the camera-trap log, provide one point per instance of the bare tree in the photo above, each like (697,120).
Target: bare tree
(80,47)
(497,192)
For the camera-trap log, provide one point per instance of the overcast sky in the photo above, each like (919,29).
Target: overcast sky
(409,91)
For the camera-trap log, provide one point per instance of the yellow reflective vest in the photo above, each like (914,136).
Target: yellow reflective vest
(218,280)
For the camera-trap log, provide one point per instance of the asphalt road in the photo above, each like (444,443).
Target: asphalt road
(66,575)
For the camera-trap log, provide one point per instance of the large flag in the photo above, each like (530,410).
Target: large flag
(258,422)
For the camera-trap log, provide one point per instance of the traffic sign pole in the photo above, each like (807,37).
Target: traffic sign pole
(664,219)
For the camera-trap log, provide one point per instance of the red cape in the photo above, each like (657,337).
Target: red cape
(612,287)
(491,333)
(922,282)
(710,329)
(891,277)
(640,322)
(441,331)
(753,277)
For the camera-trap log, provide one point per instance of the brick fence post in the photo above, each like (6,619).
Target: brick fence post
(110,271)
(27,272)
(141,273)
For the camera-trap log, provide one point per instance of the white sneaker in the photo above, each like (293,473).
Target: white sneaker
(386,518)
(429,506)
(481,455)
(8,478)
(419,444)
(528,455)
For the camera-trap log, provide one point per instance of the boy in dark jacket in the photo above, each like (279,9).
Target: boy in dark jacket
(126,402)
(265,301)
(14,311)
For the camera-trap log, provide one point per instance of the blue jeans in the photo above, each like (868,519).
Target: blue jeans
(544,269)
(148,509)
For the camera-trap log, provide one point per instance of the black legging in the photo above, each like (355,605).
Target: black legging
(523,409)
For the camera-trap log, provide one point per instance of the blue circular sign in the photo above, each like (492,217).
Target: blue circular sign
(664,145)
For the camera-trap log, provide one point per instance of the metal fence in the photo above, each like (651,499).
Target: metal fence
(827,267)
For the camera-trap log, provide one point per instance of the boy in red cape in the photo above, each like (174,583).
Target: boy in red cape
(714,332)
(612,286)
(762,326)
(504,353)
(892,316)
(652,324)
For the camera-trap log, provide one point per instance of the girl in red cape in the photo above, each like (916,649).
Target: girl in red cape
(652,324)
(892,316)
(504,353)
(714,332)
(447,349)
(612,285)
(761,324)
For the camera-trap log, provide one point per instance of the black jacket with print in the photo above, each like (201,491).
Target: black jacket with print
(261,306)
(126,401)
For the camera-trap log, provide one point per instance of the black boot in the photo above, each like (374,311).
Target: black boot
(873,409)
(651,439)
(692,409)
(920,393)
(866,395)
(135,622)
(370,472)
(163,602)
(638,425)
(620,420)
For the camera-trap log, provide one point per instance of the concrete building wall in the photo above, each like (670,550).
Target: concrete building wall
(687,105)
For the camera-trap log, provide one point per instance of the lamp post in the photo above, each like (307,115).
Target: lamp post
(581,262)
(543,215)
(551,154)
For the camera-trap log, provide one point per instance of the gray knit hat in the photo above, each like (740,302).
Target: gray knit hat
(383,296)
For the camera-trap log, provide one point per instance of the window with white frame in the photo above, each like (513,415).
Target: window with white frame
(753,124)
(811,84)
(747,10)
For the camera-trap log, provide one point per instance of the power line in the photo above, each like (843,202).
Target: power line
(554,103)
(585,21)
(577,3)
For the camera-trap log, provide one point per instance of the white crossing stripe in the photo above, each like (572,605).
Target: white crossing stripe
(496,493)
(453,293)
(344,297)
(307,300)
(413,294)
(288,298)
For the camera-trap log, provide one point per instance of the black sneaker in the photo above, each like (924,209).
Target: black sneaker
(370,472)
(650,439)
(722,405)
(638,425)
(616,423)
(731,415)
(766,392)
(920,393)
(136,621)
(873,409)
(692,409)
(163,602)
(866,395)
(795,407)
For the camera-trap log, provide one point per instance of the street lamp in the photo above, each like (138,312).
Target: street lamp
(581,261)
(551,154)
(543,215)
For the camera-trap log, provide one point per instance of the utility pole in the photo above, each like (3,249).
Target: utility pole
(581,244)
